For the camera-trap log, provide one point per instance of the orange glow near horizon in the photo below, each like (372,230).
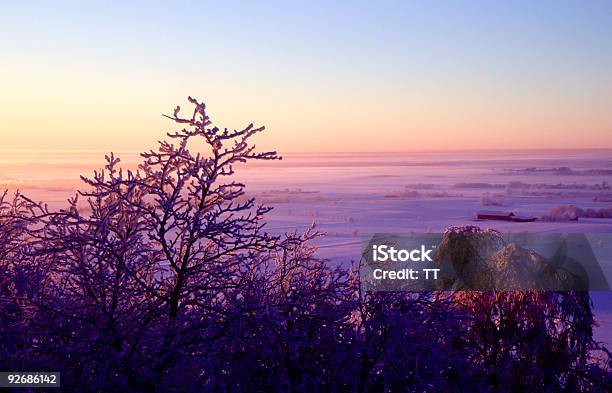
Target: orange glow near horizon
(116,121)
(410,78)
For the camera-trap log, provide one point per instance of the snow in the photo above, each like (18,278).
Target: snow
(348,195)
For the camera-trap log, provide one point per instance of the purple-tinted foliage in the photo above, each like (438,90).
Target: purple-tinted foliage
(167,282)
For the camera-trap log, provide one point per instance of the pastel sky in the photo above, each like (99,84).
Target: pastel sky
(347,76)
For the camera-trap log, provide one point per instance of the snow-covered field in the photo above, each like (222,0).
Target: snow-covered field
(350,196)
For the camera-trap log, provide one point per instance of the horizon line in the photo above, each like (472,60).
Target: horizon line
(466,150)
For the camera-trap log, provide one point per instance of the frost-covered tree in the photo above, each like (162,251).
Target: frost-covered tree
(163,279)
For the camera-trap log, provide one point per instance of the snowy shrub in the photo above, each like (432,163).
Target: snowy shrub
(487,201)
(571,212)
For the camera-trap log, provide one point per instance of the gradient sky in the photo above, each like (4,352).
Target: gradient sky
(352,76)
